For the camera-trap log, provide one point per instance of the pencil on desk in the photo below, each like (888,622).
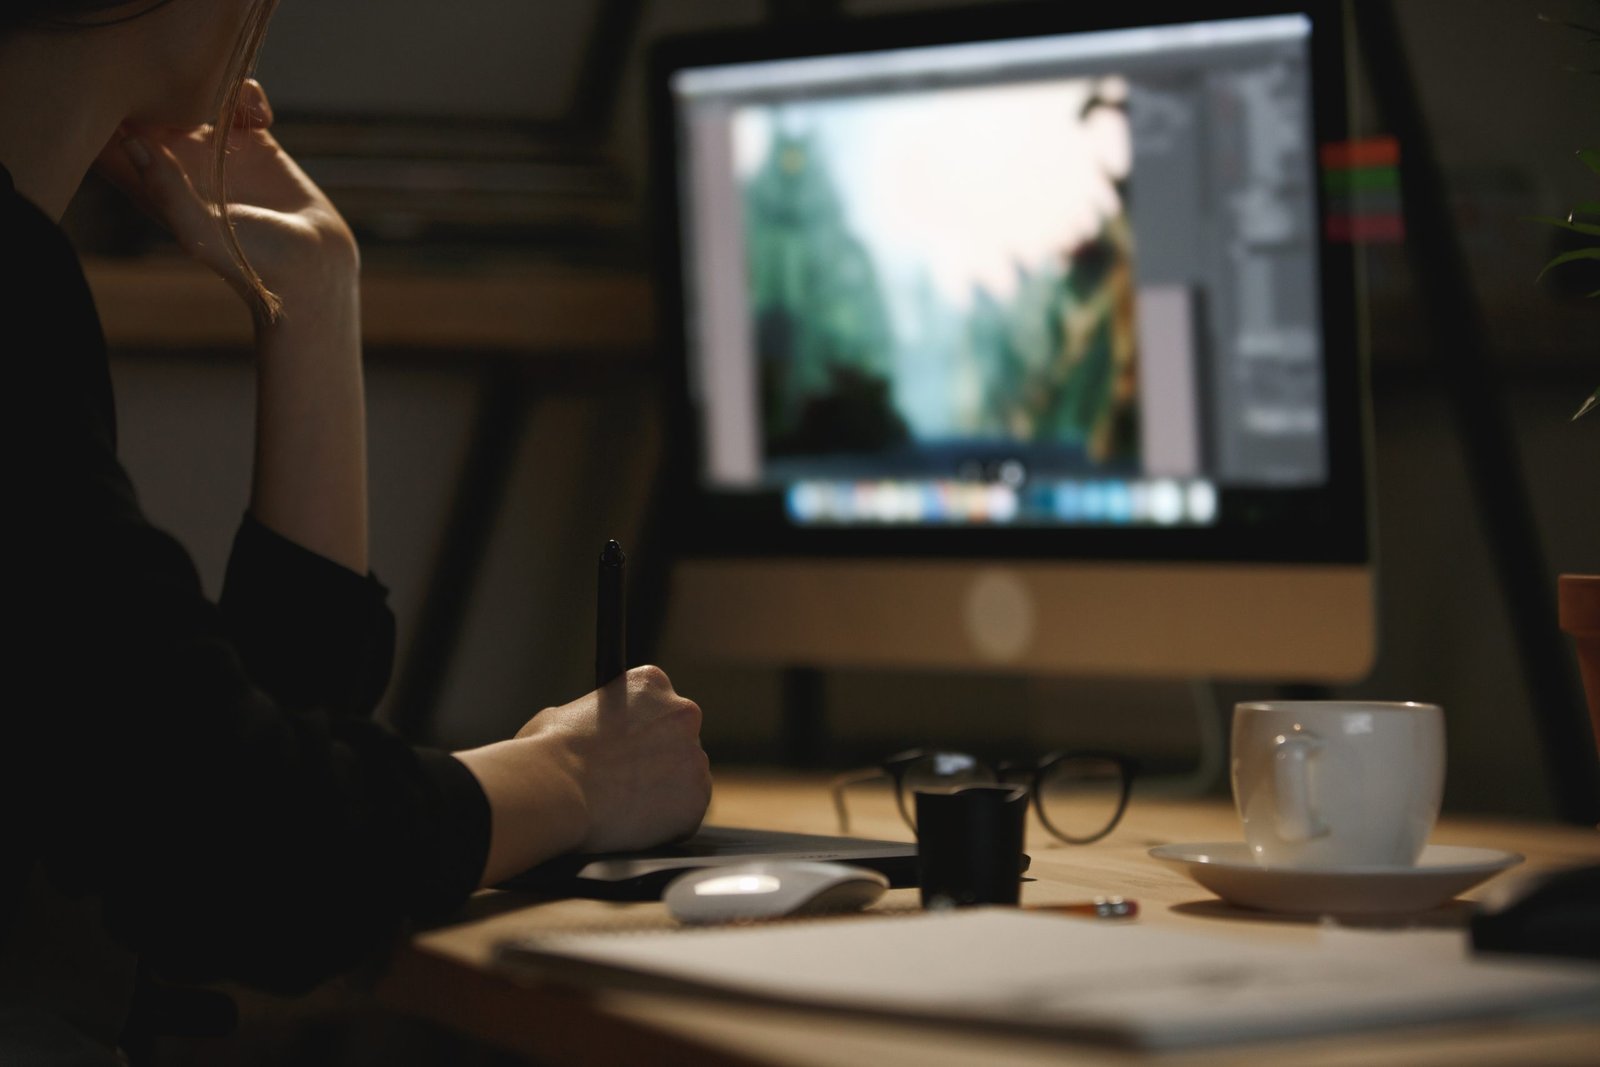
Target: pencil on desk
(1098,908)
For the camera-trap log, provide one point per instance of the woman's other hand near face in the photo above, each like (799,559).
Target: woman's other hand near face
(290,232)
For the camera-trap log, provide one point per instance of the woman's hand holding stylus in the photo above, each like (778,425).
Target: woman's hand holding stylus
(619,768)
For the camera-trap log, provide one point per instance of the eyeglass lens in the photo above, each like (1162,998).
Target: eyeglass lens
(939,772)
(1079,797)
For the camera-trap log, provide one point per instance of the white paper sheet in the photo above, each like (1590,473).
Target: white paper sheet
(1129,983)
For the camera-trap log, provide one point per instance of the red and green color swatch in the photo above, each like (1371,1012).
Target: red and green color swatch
(1361,187)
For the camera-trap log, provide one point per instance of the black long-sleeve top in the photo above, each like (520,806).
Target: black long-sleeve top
(209,772)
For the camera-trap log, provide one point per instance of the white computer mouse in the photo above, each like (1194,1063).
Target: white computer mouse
(768,889)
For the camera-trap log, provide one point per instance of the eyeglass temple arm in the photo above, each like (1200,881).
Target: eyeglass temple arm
(849,778)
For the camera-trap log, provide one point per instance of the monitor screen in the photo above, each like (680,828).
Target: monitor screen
(1015,336)
(1056,282)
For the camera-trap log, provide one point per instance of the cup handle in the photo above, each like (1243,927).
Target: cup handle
(1292,754)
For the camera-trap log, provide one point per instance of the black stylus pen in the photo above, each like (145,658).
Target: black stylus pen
(611,617)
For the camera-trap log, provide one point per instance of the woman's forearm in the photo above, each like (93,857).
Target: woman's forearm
(535,804)
(310,480)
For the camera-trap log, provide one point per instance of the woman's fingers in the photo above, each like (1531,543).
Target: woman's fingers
(116,166)
(282,220)
(255,110)
(153,174)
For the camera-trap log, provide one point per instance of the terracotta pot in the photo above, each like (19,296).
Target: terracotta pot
(1580,617)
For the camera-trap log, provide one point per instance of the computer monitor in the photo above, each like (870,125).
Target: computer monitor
(1012,339)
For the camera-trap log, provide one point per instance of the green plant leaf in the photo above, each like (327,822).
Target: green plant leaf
(1590,228)
(1588,405)
(1570,257)
(1590,158)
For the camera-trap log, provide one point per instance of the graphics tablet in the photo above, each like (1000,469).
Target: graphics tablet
(643,875)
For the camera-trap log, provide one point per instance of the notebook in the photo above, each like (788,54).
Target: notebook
(1129,984)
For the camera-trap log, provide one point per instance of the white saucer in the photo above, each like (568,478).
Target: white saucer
(1230,871)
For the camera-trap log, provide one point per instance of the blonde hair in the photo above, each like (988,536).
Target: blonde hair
(241,64)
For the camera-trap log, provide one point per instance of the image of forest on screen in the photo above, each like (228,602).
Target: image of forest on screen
(933,271)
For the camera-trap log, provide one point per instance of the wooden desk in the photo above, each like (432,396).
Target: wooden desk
(443,974)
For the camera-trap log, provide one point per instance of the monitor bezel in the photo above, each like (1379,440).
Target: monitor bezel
(1329,524)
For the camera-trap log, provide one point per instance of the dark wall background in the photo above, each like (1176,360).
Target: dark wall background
(1506,117)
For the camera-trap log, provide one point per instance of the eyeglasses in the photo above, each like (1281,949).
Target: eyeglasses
(1079,796)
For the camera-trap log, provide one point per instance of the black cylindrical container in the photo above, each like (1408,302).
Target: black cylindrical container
(969,845)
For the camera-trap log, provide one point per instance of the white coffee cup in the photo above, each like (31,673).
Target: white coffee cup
(1337,783)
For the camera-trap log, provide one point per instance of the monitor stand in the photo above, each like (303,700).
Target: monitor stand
(804,739)
(1211,767)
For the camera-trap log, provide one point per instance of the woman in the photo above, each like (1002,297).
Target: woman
(201,785)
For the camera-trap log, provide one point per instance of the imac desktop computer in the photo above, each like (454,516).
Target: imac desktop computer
(1013,339)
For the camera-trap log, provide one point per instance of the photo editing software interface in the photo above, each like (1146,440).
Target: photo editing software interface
(1063,280)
